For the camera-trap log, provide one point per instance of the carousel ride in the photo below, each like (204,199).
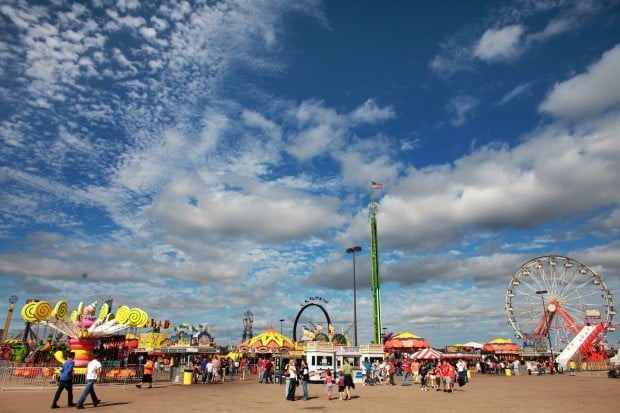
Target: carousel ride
(564,302)
(84,326)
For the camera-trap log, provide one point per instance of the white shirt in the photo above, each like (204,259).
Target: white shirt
(92,369)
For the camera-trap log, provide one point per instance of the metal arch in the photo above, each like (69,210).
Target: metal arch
(299,315)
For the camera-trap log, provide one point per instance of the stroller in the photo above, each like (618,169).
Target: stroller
(373,376)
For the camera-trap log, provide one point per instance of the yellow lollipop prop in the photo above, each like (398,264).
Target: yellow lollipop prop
(103,312)
(122,314)
(42,310)
(28,313)
(60,310)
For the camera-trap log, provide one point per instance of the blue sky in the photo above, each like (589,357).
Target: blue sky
(199,159)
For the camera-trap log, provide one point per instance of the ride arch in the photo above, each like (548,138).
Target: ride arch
(302,310)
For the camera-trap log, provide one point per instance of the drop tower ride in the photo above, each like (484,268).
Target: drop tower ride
(374,254)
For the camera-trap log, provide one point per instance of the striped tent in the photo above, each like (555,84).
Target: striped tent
(427,354)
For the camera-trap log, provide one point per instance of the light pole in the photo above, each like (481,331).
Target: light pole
(281,321)
(547,321)
(353,250)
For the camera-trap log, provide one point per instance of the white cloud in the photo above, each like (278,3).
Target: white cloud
(255,119)
(497,187)
(370,112)
(453,58)
(315,141)
(515,23)
(515,93)
(461,108)
(500,44)
(148,32)
(587,94)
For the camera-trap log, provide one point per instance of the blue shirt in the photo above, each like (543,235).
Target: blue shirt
(67,370)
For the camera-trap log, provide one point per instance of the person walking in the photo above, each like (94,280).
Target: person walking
(329,384)
(516,367)
(65,381)
(572,366)
(93,370)
(147,374)
(243,366)
(391,372)
(446,372)
(292,385)
(305,378)
(347,371)
(406,365)
(342,387)
(461,369)
(266,371)
(231,368)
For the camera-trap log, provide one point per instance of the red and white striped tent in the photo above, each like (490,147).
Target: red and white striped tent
(427,354)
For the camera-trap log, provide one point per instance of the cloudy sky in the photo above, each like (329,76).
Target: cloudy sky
(202,159)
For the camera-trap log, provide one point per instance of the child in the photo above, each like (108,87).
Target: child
(422,374)
(342,388)
(329,384)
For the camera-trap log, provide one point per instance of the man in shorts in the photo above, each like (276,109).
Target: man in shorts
(446,371)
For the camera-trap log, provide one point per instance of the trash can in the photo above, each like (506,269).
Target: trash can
(188,377)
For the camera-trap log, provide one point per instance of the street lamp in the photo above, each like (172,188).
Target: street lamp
(281,321)
(547,321)
(353,250)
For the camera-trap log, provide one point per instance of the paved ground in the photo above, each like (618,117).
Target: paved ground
(585,392)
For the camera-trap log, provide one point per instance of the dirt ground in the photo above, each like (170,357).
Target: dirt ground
(584,392)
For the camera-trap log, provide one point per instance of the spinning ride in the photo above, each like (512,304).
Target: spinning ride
(83,326)
(561,300)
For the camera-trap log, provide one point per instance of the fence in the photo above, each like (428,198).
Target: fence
(20,376)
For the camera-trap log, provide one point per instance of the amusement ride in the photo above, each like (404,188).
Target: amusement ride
(564,302)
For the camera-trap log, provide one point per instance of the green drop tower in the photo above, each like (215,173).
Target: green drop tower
(374,254)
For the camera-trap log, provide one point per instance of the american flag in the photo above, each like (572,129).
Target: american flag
(376,185)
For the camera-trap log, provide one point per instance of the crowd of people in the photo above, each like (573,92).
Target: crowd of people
(211,369)
(437,375)
(429,374)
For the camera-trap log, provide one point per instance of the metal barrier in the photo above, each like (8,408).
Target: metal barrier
(22,376)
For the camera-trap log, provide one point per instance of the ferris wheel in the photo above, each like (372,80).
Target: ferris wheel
(553,297)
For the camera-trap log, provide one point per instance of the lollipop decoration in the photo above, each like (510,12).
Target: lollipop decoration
(84,326)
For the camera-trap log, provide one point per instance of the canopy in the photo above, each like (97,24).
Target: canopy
(427,354)
(234,355)
(406,340)
(269,341)
(501,345)
(472,344)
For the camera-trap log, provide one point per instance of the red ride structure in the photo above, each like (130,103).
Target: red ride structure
(562,302)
